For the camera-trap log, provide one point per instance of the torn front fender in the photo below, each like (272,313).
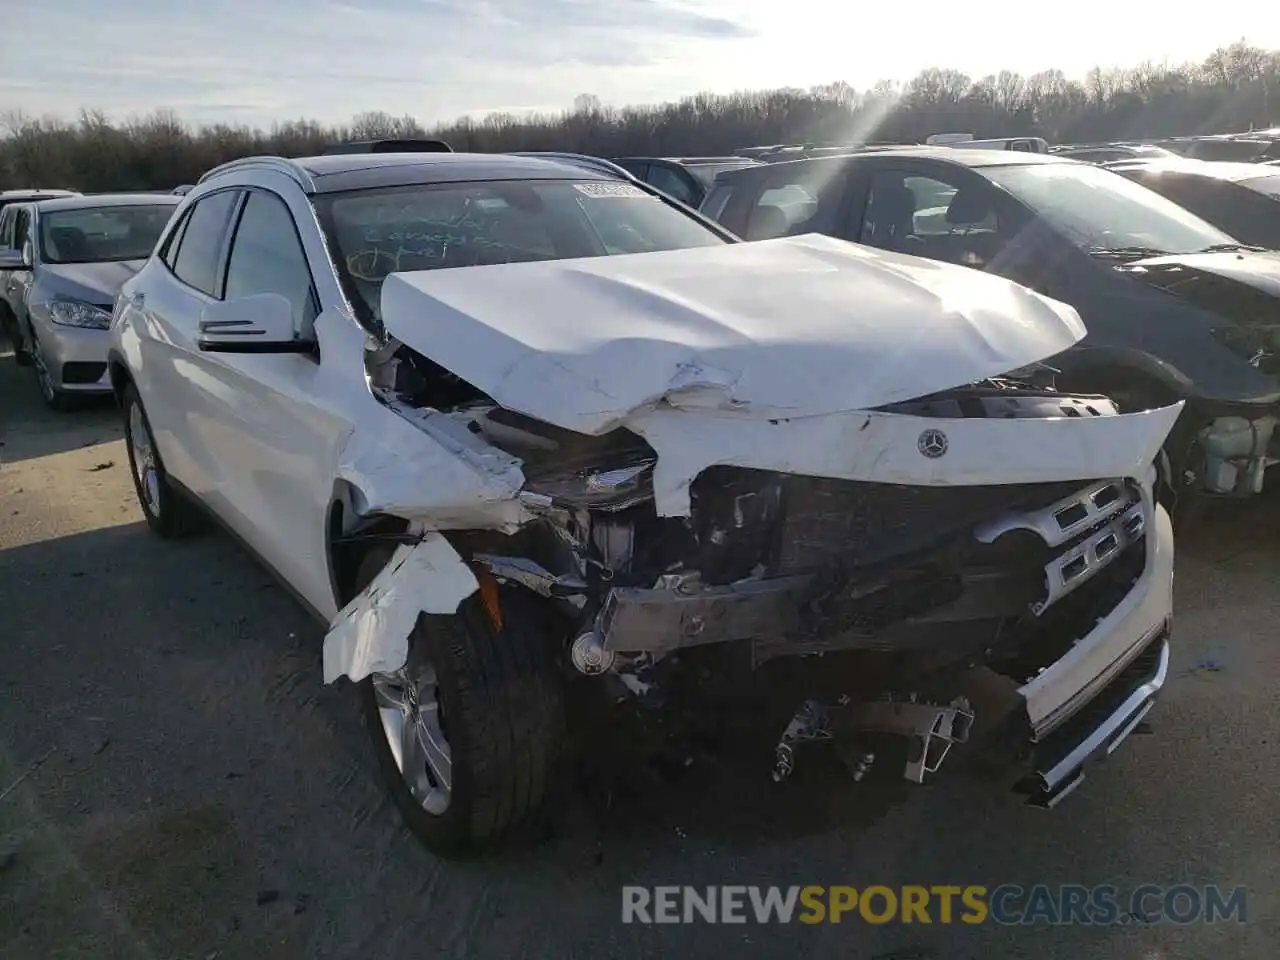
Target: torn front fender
(388,460)
(371,633)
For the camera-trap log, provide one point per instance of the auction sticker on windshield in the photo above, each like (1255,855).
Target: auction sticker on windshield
(609,190)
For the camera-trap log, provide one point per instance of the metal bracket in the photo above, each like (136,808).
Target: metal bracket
(932,728)
(810,723)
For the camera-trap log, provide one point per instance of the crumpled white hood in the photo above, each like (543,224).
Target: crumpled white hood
(794,327)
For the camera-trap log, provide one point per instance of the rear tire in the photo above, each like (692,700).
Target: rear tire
(499,702)
(168,513)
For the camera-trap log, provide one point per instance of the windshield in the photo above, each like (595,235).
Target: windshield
(102,234)
(1101,210)
(1270,185)
(443,226)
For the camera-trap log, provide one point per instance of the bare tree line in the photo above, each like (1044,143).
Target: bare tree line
(1235,88)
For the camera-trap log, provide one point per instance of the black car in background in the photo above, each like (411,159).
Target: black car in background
(1175,308)
(1242,199)
(687,179)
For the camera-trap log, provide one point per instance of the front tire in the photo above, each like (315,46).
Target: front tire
(469,734)
(167,512)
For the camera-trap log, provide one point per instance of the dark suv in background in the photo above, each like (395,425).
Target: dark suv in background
(1241,198)
(1175,308)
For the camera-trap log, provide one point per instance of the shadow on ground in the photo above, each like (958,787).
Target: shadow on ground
(29,429)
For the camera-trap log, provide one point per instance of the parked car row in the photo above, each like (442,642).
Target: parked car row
(62,261)
(544,447)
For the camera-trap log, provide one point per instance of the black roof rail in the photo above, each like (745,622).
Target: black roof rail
(406,145)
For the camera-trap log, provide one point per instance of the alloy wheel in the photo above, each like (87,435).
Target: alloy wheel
(42,371)
(413,723)
(144,460)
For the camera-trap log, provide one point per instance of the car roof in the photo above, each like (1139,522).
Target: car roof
(695,161)
(356,171)
(17,196)
(90,201)
(1218,169)
(957,156)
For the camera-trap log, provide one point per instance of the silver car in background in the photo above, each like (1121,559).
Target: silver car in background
(62,262)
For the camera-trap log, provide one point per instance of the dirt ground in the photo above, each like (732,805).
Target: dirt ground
(178,783)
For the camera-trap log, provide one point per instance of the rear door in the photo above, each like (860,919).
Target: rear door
(166,299)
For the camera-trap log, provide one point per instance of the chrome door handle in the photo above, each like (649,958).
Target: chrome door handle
(138,299)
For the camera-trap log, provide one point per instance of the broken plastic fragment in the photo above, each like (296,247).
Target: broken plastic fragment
(371,633)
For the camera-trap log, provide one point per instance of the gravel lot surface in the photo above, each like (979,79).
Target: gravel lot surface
(178,783)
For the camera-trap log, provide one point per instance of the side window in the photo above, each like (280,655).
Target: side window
(199,248)
(170,253)
(804,200)
(671,183)
(6,228)
(21,228)
(927,216)
(267,257)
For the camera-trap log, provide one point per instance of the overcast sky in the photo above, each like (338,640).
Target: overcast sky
(257,61)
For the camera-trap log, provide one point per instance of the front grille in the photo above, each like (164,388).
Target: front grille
(1045,639)
(825,522)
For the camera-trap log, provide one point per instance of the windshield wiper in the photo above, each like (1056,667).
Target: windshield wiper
(1232,248)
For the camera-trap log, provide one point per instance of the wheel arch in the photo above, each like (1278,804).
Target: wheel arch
(1099,368)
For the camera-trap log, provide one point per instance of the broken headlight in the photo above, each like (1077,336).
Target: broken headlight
(1257,343)
(598,488)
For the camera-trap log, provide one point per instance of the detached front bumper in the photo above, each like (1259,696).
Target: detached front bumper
(1082,707)
(1062,759)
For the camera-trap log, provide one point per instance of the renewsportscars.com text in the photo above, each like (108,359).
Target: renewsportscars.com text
(1005,904)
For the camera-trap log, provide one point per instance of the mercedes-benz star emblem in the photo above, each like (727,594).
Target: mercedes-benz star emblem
(932,443)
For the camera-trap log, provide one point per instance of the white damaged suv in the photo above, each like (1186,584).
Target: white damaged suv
(518,433)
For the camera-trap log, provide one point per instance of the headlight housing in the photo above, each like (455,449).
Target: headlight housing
(77,313)
(1257,343)
(606,488)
